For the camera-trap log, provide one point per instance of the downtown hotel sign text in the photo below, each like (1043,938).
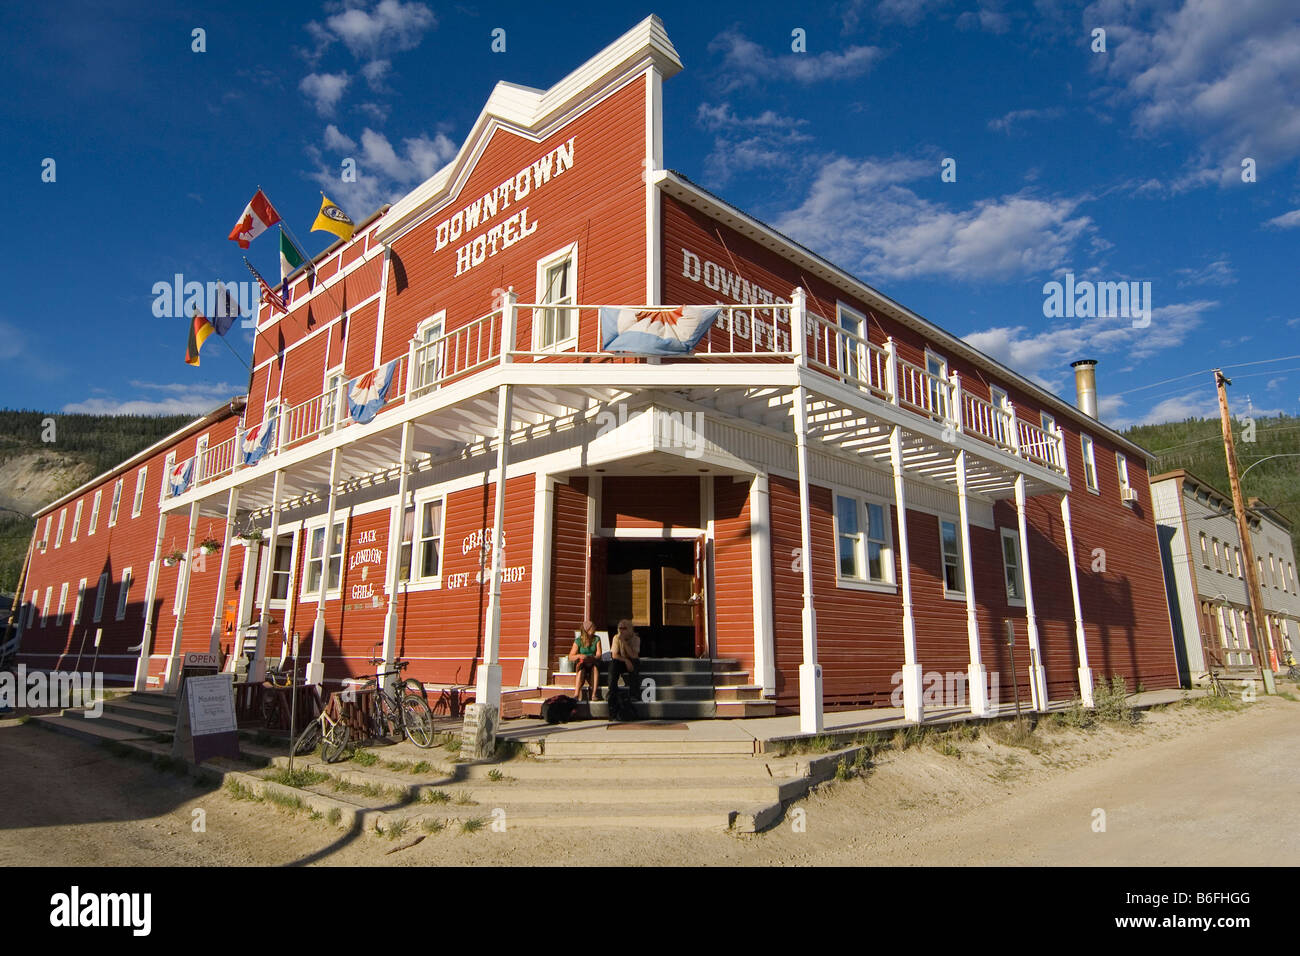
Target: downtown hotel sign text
(492,205)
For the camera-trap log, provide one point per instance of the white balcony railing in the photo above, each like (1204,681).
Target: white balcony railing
(753,332)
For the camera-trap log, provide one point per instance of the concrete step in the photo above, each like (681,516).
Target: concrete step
(745,708)
(632,746)
(142,725)
(94,731)
(664,692)
(140,709)
(738,692)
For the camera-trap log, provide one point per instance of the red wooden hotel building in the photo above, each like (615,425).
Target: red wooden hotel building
(831,492)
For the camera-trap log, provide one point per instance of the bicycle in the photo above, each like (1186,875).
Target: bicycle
(275,712)
(398,709)
(1292,671)
(1217,687)
(328,731)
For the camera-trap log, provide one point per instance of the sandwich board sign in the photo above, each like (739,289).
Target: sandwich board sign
(205,719)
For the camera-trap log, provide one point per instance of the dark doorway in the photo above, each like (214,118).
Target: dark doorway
(650,583)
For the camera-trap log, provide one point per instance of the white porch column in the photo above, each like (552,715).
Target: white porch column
(1037,672)
(150,595)
(539,611)
(247,591)
(977,678)
(913,710)
(396,522)
(760,555)
(183,597)
(487,689)
(1085,672)
(810,672)
(257,673)
(316,667)
(214,645)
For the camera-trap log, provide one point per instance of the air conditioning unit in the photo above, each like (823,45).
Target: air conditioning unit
(1128,494)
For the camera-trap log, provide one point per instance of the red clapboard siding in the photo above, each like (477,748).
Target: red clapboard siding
(733,580)
(568,565)
(649,503)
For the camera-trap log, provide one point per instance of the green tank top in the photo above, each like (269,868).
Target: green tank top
(591,649)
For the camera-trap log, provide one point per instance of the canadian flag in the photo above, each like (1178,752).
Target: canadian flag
(259,216)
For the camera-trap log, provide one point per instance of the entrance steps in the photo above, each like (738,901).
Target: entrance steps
(684,689)
(137,716)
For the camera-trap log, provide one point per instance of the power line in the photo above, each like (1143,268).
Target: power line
(1179,378)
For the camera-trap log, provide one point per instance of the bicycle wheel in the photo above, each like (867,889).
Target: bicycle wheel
(334,741)
(417,721)
(307,740)
(413,687)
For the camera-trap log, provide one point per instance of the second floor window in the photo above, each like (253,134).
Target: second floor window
(556,329)
(117,503)
(1089,462)
(138,504)
(429,349)
(76,521)
(94,512)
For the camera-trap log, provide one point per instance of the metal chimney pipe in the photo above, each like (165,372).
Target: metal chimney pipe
(1085,384)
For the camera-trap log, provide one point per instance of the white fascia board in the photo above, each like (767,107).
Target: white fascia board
(535,114)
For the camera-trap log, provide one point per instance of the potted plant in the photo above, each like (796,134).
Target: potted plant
(210,546)
(173,558)
(248,537)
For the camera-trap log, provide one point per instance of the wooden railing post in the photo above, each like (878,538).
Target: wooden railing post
(798,326)
(509,319)
(955,414)
(891,370)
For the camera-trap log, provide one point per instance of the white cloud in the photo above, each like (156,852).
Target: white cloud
(859,214)
(1005,122)
(766,141)
(1219,272)
(908,12)
(384,172)
(324,90)
(1226,73)
(166,399)
(746,63)
(1288,220)
(375,71)
(391,26)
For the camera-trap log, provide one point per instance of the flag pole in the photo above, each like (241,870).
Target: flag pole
(307,261)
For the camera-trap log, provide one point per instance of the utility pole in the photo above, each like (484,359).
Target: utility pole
(1243,530)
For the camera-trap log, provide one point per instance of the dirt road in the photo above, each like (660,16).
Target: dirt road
(1190,786)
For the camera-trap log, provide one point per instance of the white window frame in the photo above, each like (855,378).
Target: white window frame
(1218,560)
(45,611)
(137,503)
(165,490)
(1121,468)
(101,592)
(117,503)
(865,582)
(331,402)
(292,539)
(1241,567)
(94,511)
(1001,401)
(45,539)
(859,358)
(960,592)
(81,602)
(1004,535)
(123,594)
(63,604)
(939,395)
(1205,548)
(432,358)
(1088,448)
(544,265)
(308,594)
(417,571)
(200,452)
(31,608)
(76,521)
(63,520)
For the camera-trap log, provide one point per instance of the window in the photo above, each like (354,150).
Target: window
(81,601)
(122,591)
(1259,563)
(45,539)
(1218,564)
(331,400)
(63,520)
(1121,466)
(1205,550)
(282,567)
(430,350)
(76,522)
(99,597)
(1241,567)
(950,547)
(63,604)
(1089,463)
(937,366)
(117,500)
(404,554)
(94,512)
(555,329)
(316,560)
(862,546)
(1011,566)
(169,466)
(430,543)
(31,609)
(45,611)
(998,398)
(200,453)
(851,358)
(137,505)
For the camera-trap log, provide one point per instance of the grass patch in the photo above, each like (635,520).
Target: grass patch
(472,825)
(396,828)
(430,825)
(300,779)
(1287,695)
(496,775)
(1016,733)
(450,743)
(1211,702)
(370,789)
(334,816)
(1075,717)
(434,796)
(240,791)
(315,815)
(1111,703)
(364,758)
(465,799)
(420,767)
(287,801)
(509,749)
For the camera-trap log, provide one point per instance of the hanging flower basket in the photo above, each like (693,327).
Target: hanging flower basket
(210,546)
(173,558)
(248,537)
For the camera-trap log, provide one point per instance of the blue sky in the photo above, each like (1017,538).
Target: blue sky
(1123,165)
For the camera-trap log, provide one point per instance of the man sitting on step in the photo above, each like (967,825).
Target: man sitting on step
(625,654)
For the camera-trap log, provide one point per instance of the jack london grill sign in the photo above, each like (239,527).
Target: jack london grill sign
(492,206)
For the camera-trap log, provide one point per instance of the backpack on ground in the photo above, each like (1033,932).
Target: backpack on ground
(558,709)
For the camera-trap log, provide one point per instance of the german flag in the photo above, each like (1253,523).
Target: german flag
(200,329)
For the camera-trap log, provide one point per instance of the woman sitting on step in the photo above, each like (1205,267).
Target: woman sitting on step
(585,653)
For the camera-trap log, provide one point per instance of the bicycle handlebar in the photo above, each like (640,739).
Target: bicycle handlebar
(400,665)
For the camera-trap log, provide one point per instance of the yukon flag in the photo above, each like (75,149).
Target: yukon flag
(367,394)
(333,219)
(200,329)
(257,441)
(671,330)
(179,479)
(259,216)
